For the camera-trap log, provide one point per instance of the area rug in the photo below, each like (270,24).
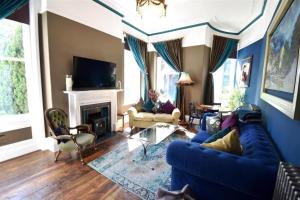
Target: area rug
(142,175)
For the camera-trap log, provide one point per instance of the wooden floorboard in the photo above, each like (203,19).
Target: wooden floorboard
(37,176)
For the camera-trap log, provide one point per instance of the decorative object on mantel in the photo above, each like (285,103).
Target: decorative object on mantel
(119,85)
(280,86)
(246,65)
(288,182)
(151,7)
(69,82)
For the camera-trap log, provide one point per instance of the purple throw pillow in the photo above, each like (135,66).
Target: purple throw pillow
(230,121)
(167,107)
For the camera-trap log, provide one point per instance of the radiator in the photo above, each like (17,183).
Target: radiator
(288,183)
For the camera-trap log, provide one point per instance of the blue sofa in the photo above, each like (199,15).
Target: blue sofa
(216,175)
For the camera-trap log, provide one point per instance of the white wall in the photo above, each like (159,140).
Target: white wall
(259,28)
(89,13)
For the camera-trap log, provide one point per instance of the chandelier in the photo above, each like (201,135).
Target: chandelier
(151,8)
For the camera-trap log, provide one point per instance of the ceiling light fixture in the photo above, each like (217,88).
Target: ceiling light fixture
(151,8)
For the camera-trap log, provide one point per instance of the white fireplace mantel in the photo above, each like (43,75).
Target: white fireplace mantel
(88,97)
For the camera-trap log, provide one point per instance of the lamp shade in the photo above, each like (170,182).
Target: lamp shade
(184,79)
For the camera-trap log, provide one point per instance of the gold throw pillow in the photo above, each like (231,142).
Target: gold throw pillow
(229,143)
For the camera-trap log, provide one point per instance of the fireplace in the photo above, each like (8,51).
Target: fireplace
(98,116)
(95,107)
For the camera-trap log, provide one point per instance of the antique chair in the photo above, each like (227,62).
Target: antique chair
(57,120)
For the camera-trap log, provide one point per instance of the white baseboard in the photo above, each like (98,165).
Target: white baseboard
(17,149)
(27,146)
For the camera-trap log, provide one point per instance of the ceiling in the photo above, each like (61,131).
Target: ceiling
(225,15)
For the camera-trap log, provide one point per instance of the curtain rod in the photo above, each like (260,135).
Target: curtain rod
(167,40)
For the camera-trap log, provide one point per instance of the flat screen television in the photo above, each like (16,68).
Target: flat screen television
(89,74)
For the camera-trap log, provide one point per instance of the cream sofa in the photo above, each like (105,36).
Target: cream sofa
(145,119)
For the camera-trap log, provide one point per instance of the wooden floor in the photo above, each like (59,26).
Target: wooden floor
(37,176)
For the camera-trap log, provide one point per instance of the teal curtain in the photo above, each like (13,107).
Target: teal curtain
(161,49)
(134,47)
(7,7)
(222,49)
(231,45)
(171,53)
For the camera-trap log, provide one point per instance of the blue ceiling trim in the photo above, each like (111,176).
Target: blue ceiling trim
(134,27)
(177,29)
(256,18)
(109,8)
(185,27)
(192,26)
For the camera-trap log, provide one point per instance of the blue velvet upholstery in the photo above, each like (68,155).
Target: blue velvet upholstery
(219,175)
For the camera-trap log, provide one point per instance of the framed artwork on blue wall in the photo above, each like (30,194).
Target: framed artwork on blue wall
(245,74)
(280,86)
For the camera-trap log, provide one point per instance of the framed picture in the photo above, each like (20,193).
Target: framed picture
(280,86)
(246,65)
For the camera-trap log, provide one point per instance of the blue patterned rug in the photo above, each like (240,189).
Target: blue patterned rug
(142,175)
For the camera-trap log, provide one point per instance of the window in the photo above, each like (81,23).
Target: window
(13,89)
(166,79)
(14,57)
(132,79)
(224,79)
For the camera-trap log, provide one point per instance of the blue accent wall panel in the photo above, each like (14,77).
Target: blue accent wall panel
(284,131)
(252,92)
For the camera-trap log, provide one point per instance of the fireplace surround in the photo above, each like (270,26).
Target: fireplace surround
(95,107)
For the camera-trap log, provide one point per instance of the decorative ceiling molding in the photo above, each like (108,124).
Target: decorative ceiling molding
(185,27)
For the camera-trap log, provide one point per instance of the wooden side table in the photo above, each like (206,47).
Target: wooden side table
(123,115)
(213,108)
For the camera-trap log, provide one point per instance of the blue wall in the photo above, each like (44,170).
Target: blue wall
(284,131)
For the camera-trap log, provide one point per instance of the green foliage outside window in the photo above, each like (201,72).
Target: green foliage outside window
(237,98)
(13,91)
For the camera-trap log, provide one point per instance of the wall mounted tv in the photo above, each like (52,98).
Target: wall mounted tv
(89,74)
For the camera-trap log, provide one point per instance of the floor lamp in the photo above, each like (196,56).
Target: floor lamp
(183,81)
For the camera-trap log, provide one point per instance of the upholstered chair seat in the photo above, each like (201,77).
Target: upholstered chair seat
(83,139)
(57,120)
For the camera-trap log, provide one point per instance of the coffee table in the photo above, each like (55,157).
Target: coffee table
(154,134)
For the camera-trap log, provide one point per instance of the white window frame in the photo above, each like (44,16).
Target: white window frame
(125,102)
(18,121)
(232,83)
(157,71)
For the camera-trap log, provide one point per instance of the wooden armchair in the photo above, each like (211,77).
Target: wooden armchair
(57,120)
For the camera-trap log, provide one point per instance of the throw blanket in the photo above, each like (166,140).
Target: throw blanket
(245,115)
